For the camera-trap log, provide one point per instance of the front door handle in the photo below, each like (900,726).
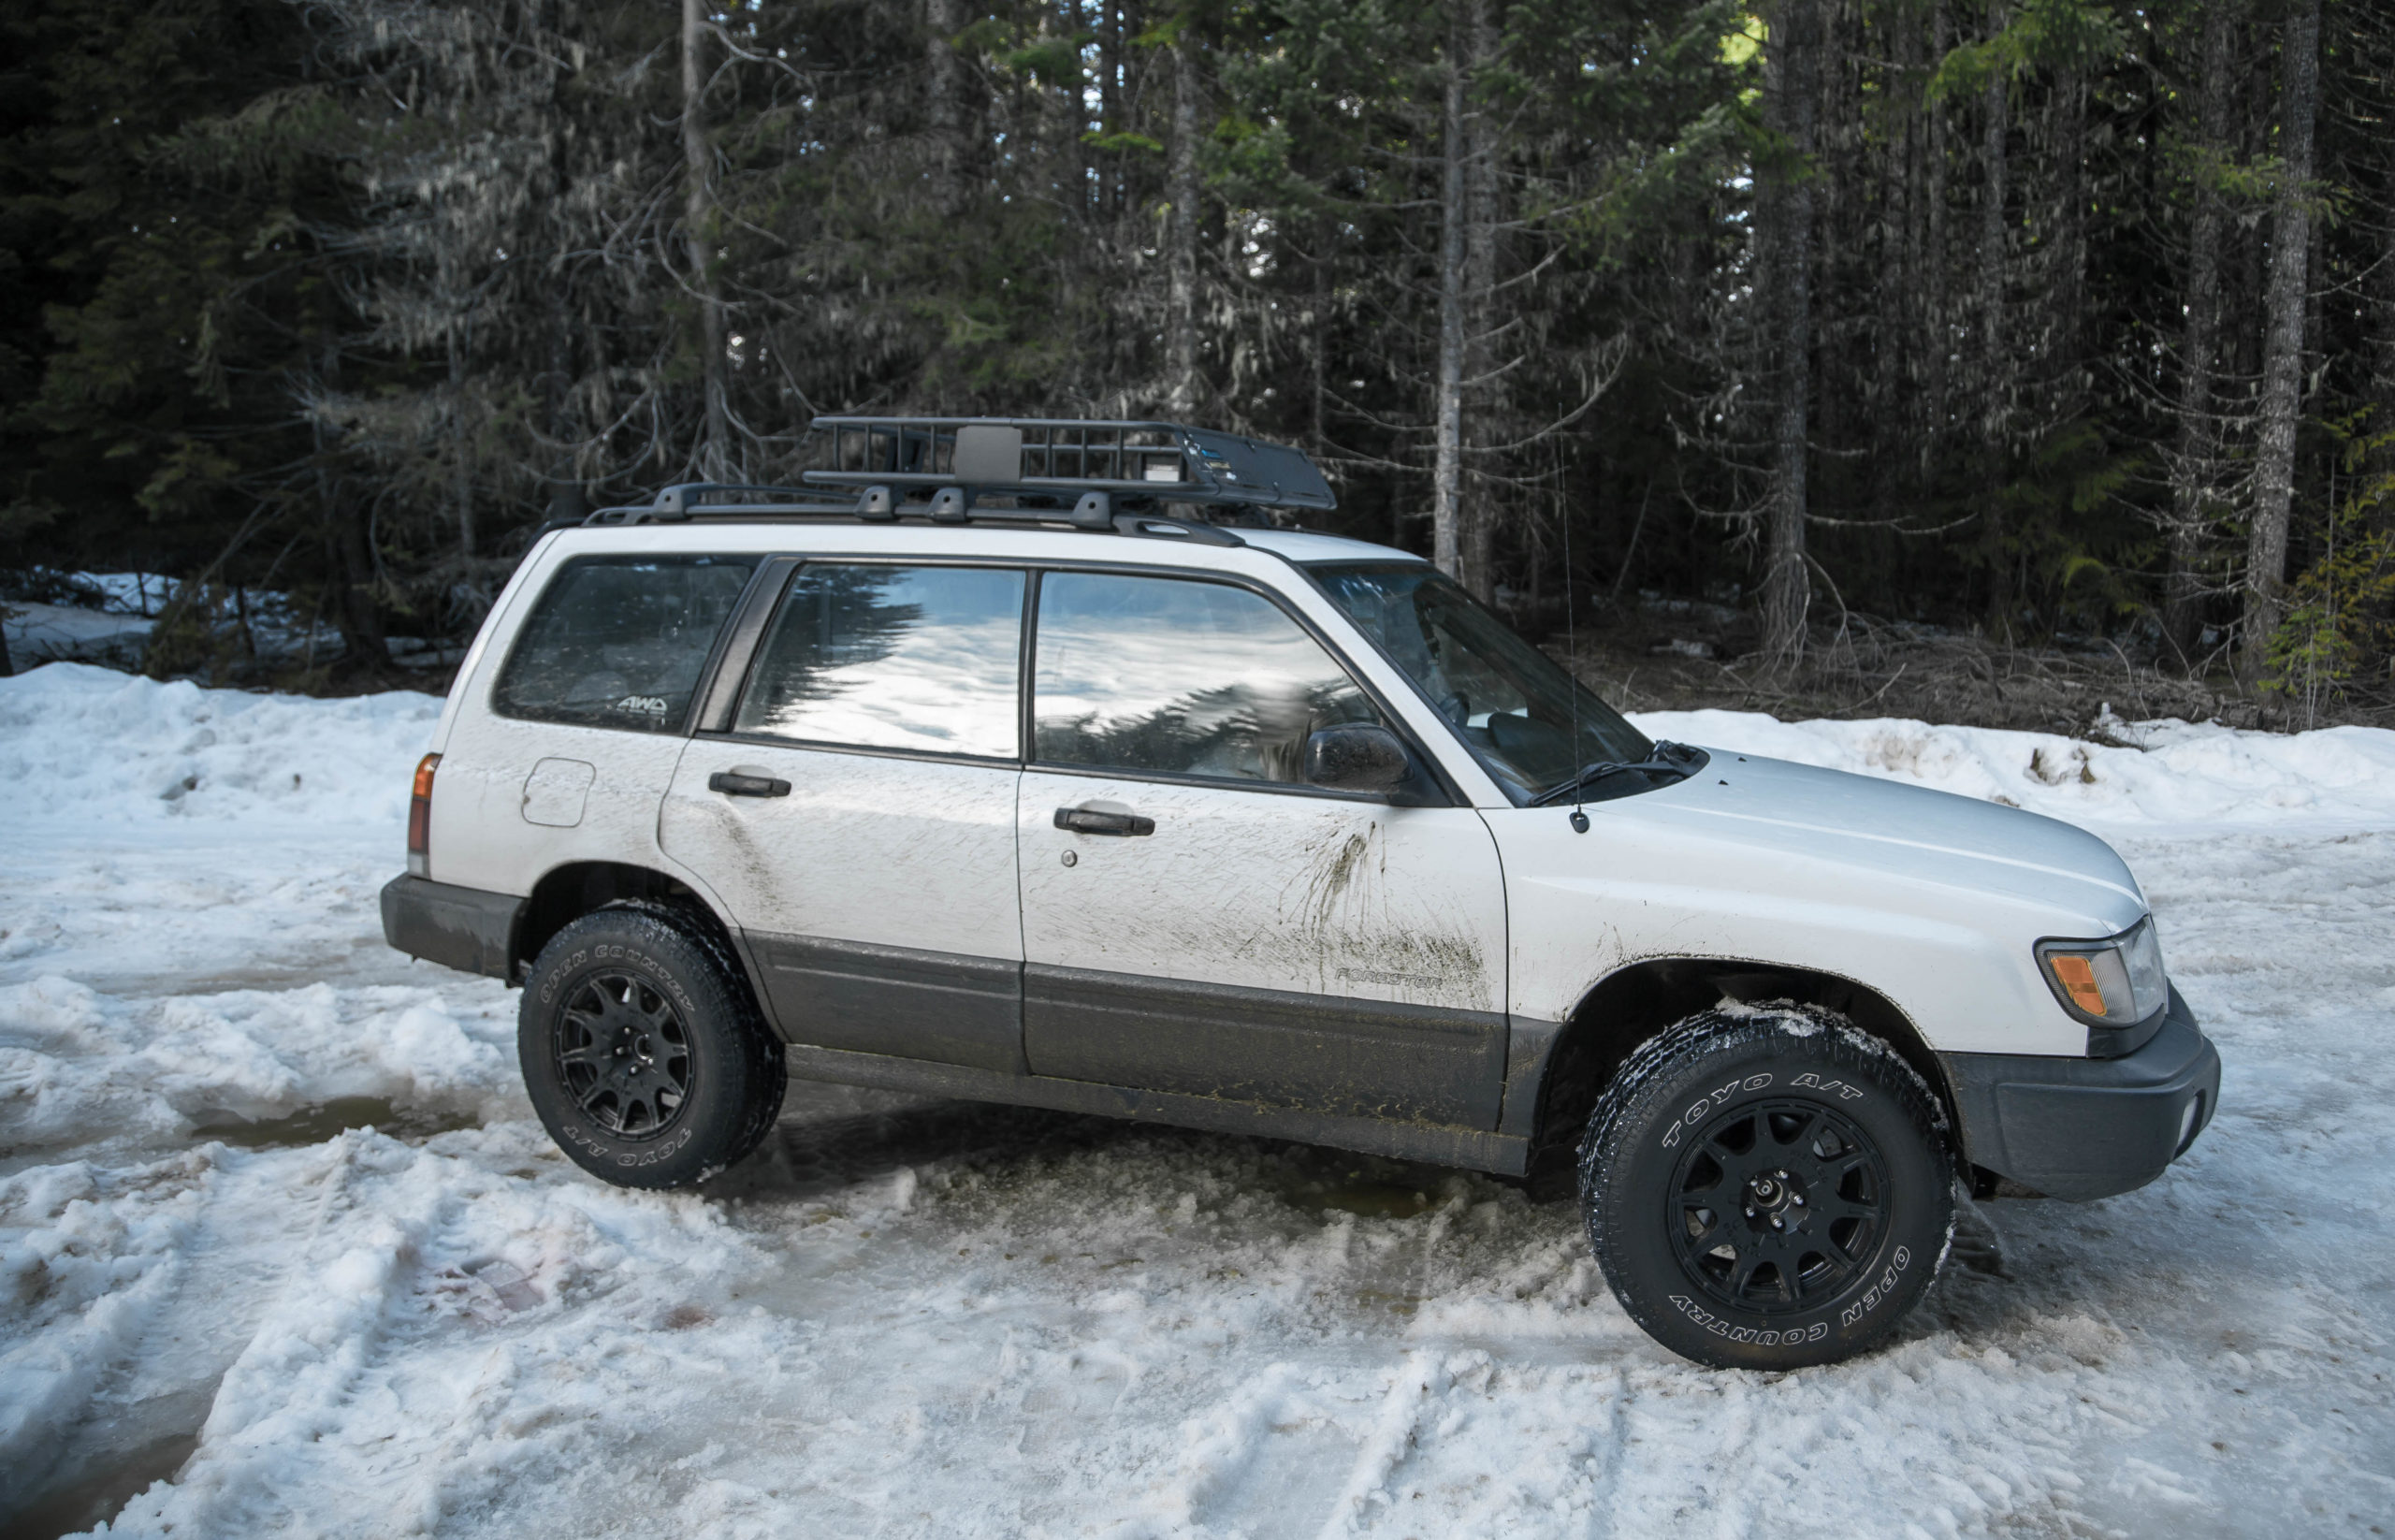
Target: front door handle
(731,783)
(1086,821)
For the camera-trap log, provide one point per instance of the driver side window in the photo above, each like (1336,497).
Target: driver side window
(1180,677)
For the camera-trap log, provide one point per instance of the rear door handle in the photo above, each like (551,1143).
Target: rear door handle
(734,784)
(1085,821)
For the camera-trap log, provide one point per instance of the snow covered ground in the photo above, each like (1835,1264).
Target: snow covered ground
(228,1308)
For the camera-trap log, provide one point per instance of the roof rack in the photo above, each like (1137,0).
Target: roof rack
(1087,473)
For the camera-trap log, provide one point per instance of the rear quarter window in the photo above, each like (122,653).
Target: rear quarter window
(620,640)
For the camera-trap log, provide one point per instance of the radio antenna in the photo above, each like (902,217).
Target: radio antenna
(1572,672)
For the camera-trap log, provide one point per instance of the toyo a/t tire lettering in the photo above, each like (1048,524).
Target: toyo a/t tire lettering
(1767,1189)
(643,1050)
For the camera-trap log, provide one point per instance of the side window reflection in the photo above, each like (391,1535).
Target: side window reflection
(881,657)
(1181,678)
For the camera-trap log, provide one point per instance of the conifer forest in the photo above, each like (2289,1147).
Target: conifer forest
(2021,319)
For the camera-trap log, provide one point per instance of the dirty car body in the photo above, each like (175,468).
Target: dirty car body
(1089,818)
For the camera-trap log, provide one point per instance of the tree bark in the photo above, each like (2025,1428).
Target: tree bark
(1181,236)
(1898,424)
(943,106)
(2196,453)
(1938,343)
(715,447)
(2382,354)
(2282,337)
(1790,87)
(461,464)
(1476,508)
(1996,368)
(2069,257)
(1446,472)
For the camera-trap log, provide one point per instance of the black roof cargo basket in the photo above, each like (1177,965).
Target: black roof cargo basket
(1091,474)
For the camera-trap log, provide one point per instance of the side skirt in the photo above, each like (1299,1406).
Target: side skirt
(1468,1148)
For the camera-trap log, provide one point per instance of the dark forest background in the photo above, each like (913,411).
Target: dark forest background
(2049,323)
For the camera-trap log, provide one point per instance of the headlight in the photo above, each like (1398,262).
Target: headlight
(2116,983)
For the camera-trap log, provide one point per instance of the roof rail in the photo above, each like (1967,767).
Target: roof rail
(1073,472)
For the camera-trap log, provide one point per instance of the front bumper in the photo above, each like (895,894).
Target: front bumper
(464,929)
(2083,1128)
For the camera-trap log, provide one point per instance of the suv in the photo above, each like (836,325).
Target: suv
(983,766)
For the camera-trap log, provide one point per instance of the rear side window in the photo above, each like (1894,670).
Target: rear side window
(1181,678)
(870,656)
(620,640)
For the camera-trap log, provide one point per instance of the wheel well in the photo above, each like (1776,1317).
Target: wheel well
(1629,1006)
(570,892)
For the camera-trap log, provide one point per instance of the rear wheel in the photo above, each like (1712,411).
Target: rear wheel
(642,1050)
(1767,1190)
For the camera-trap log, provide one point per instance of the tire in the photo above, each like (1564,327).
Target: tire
(643,1050)
(1787,1115)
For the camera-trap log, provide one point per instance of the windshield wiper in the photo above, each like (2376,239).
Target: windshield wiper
(1675,760)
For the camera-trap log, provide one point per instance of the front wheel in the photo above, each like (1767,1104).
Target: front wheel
(1767,1189)
(642,1050)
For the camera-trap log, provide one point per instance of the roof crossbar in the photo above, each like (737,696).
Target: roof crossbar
(1126,457)
(1102,476)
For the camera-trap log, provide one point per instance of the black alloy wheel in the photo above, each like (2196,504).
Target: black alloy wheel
(643,1048)
(1767,1189)
(1780,1204)
(623,1053)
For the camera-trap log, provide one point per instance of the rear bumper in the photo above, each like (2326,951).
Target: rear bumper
(2083,1128)
(464,929)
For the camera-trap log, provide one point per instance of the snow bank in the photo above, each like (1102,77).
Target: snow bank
(78,1067)
(106,750)
(2159,773)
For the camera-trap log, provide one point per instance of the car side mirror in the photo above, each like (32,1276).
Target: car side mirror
(1357,757)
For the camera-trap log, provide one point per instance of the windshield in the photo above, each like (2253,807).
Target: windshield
(1513,705)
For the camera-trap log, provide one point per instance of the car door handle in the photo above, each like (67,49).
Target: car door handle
(734,784)
(1085,821)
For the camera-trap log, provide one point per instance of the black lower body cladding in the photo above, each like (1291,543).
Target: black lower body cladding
(2083,1128)
(464,929)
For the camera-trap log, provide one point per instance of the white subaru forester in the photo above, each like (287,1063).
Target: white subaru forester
(990,765)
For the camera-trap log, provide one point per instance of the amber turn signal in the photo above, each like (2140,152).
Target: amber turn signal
(420,817)
(2078,977)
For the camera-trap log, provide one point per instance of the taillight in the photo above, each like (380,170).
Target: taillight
(420,818)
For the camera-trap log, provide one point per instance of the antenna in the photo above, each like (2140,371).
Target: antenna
(1572,672)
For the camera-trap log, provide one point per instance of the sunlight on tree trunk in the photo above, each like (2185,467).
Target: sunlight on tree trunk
(715,445)
(2283,336)
(1790,86)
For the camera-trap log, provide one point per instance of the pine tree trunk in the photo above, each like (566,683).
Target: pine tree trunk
(2283,338)
(349,557)
(715,449)
(1996,367)
(1181,236)
(943,103)
(2197,450)
(1446,472)
(2382,352)
(1791,88)
(2070,254)
(1936,375)
(461,464)
(1110,104)
(1476,507)
(1899,425)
